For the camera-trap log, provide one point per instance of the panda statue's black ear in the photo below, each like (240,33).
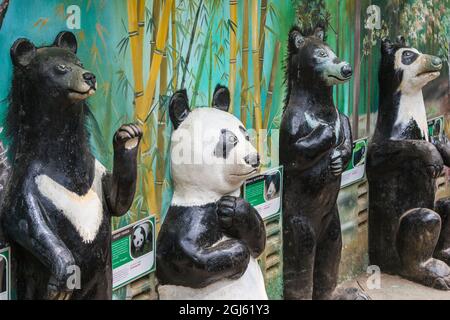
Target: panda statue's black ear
(386,46)
(179,107)
(22,52)
(66,40)
(221,98)
(296,39)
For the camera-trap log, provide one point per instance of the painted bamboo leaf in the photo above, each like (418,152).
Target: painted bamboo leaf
(233,51)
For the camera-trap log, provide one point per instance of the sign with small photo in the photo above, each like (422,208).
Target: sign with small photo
(356,169)
(264,192)
(133,252)
(5,273)
(436,127)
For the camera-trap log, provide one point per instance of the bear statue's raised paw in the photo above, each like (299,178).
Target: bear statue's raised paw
(128,136)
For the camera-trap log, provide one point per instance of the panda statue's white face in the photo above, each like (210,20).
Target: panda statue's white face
(211,153)
(138,237)
(271,190)
(211,156)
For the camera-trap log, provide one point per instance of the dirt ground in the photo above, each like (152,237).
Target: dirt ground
(395,288)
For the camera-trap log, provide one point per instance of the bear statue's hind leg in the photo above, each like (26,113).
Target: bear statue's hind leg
(417,237)
(299,247)
(328,256)
(442,251)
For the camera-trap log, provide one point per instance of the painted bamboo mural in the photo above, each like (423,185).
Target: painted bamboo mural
(136,41)
(273,77)
(257,120)
(204,50)
(191,42)
(142,113)
(262,35)
(244,68)
(233,50)
(161,121)
(3,9)
(156,7)
(174,47)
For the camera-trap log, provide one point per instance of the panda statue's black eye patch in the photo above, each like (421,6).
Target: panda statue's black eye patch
(408,57)
(227,142)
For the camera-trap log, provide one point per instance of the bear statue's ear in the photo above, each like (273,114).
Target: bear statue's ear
(221,98)
(179,107)
(66,40)
(401,40)
(319,33)
(296,39)
(22,52)
(386,46)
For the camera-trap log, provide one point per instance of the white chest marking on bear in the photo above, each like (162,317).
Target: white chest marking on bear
(84,212)
(413,107)
(314,122)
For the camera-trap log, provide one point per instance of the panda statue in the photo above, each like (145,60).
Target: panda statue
(140,238)
(210,238)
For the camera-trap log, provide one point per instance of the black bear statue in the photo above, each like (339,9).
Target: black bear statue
(409,233)
(59,201)
(315,148)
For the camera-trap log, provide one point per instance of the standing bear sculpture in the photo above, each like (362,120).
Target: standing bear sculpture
(315,148)
(59,200)
(409,234)
(210,237)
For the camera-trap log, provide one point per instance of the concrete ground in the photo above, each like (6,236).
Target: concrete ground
(395,288)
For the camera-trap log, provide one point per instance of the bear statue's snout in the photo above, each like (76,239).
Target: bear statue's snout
(90,79)
(253,160)
(436,62)
(346,71)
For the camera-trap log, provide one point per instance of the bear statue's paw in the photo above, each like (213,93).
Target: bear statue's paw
(444,255)
(349,294)
(336,163)
(128,136)
(232,211)
(56,291)
(432,273)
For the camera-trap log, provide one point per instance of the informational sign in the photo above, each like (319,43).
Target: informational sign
(357,167)
(5,273)
(436,127)
(133,252)
(264,192)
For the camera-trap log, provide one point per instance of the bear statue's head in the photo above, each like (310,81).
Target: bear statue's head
(404,68)
(54,70)
(312,63)
(211,153)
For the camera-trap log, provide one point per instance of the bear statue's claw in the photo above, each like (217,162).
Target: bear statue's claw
(128,136)
(441,284)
